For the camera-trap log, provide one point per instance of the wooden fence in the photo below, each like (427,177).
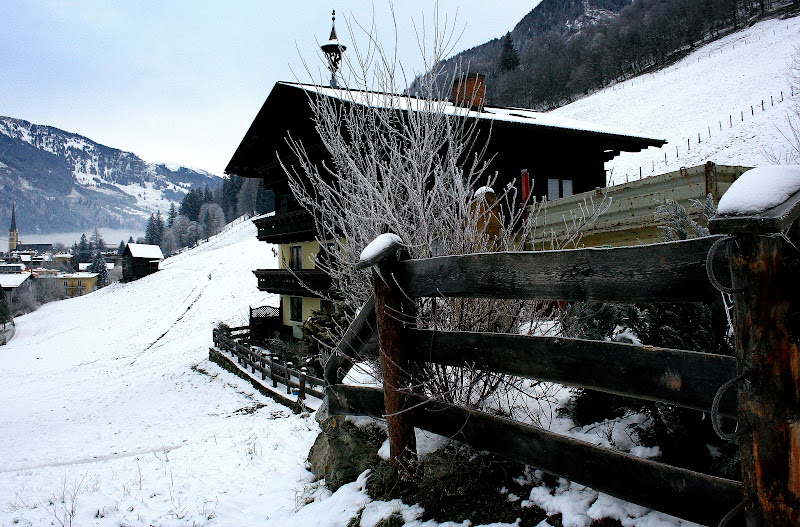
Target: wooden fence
(766,371)
(268,365)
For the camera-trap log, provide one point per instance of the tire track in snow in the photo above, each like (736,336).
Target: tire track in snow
(95,459)
(172,326)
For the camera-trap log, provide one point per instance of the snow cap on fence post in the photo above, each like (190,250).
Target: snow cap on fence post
(764,200)
(378,249)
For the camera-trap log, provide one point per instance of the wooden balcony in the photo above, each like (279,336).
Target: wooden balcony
(295,282)
(295,226)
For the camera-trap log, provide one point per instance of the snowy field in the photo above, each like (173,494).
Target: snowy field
(713,86)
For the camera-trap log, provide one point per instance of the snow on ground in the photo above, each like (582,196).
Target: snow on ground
(715,85)
(110,397)
(110,404)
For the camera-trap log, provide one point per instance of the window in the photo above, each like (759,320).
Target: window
(80,284)
(295,257)
(295,309)
(558,188)
(566,188)
(553,192)
(66,284)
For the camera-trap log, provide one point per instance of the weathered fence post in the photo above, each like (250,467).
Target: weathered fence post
(765,266)
(392,313)
(287,377)
(264,365)
(301,396)
(272,371)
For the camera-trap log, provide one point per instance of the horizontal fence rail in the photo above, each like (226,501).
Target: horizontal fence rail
(678,377)
(665,272)
(683,493)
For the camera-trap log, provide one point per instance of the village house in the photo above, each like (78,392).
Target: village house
(547,155)
(140,260)
(78,284)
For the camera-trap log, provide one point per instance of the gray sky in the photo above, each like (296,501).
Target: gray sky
(182,80)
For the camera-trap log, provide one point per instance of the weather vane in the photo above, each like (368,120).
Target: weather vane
(333,50)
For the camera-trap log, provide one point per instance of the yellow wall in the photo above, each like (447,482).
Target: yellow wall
(309,305)
(87,285)
(308,251)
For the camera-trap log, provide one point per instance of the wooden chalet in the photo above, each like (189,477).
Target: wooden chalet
(563,157)
(139,260)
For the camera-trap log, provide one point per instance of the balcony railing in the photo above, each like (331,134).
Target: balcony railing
(295,226)
(304,282)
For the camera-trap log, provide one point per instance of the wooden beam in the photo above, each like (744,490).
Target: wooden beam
(678,377)
(664,272)
(359,341)
(767,335)
(680,492)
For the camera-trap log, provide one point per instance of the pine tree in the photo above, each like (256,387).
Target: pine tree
(150,231)
(99,266)
(97,242)
(208,196)
(190,206)
(121,248)
(84,250)
(509,59)
(5,308)
(173,213)
(159,228)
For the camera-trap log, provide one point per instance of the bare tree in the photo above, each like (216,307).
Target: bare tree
(790,153)
(411,166)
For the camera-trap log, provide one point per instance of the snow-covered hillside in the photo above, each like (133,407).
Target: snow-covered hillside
(112,394)
(710,93)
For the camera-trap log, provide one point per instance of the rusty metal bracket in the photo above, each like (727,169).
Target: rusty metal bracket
(710,267)
(715,422)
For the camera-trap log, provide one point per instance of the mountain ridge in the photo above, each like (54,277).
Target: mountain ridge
(61,180)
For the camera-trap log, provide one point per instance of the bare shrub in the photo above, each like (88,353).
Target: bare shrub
(411,166)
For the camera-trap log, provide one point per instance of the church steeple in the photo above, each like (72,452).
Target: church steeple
(13,235)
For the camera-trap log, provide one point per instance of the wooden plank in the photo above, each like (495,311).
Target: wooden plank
(664,272)
(678,377)
(360,340)
(683,493)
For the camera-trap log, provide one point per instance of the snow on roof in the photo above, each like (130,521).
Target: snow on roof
(82,266)
(79,275)
(509,115)
(13,280)
(760,189)
(142,250)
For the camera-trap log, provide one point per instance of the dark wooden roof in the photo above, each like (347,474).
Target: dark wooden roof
(518,138)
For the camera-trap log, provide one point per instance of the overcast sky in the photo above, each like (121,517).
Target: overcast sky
(181,81)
